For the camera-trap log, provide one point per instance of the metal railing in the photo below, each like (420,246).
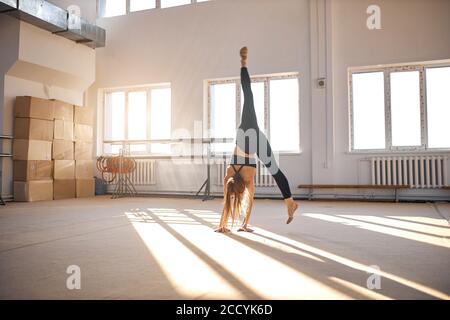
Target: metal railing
(3,155)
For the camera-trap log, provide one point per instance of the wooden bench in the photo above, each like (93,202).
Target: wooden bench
(311,187)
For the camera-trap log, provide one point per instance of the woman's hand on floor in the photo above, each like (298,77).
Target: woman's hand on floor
(245,229)
(222,230)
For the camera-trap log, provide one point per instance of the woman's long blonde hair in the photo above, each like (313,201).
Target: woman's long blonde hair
(234,195)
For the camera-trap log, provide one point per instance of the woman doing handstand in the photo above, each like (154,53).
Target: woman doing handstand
(240,173)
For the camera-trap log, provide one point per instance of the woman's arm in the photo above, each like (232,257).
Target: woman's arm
(223,224)
(228,175)
(250,186)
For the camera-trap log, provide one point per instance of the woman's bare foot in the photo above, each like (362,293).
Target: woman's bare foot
(222,230)
(245,229)
(243,53)
(291,206)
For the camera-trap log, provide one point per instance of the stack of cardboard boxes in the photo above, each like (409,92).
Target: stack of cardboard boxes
(52,150)
(32,149)
(63,152)
(84,165)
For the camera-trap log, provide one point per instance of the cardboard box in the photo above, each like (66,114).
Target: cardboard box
(85,188)
(32,149)
(84,169)
(26,170)
(83,150)
(83,115)
(30,107)
(83,132)
(37,190)
(64,189)
(62,111)
(64,169)
(33,129)
(63,150)
(63,130)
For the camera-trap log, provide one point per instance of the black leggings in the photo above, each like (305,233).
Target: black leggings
(250,139)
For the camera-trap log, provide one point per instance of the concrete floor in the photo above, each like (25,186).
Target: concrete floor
(164,248)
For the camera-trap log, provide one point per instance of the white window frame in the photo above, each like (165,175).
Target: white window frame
(387,70)
(101,4)
(127,90)
(263,78)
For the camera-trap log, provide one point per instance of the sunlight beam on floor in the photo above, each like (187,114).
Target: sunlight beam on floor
(247,267)
(355,265)
(201,263)
(188,274)
(424,220)
(437,241)
(412,226)
(268,277)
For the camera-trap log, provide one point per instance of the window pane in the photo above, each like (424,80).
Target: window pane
(111,148)
(115,116)
(173,3)
(137,115)
(284,115)
(258,100)
(138,148)
(223,114)
(115,8)
(405,108)
(138,5)
(438,107)
(160,118)
(368,110)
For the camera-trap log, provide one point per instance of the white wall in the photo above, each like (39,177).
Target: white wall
(188,44)
(318,38)
(412,30)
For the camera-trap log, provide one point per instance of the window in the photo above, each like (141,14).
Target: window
(276,100)
(368,110)
(139,5)
(401,108)
(112,8)
(160,117)
(284,115)
(137,115)
(438,107)
(405,108)
(174,3)
(223,113)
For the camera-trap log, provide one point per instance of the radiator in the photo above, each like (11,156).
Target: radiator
(143,175)
(416,171)
(262,177)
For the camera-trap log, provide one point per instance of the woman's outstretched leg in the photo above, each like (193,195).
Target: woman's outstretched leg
(248,118)
(266,155)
